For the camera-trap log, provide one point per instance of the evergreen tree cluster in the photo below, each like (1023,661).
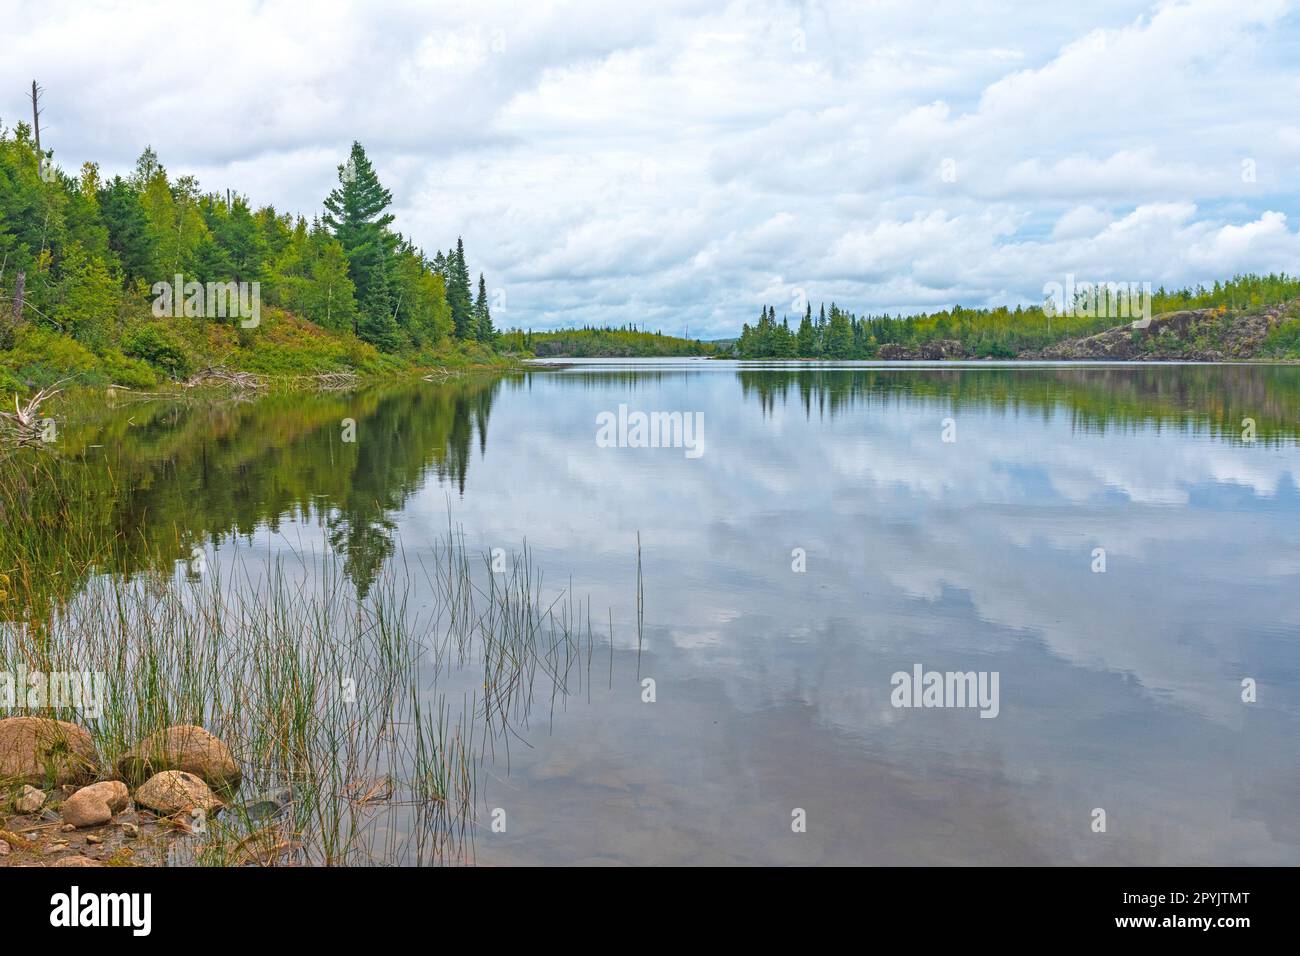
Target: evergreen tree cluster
(986,333)
(88,252)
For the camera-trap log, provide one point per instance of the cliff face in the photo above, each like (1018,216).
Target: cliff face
(1206,335)
(926,351)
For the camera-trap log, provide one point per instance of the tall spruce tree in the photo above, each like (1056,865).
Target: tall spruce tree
(806,338)
(458,293)
(355,214)
(482,314)
(839,334)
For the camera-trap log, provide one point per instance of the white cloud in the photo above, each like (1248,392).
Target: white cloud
(679,163)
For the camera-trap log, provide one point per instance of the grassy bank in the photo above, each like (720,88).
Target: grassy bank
(286,350)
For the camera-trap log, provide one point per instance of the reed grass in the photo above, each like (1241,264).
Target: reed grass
(338,704)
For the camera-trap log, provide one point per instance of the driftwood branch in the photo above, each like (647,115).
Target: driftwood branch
(24,425)
(219,375)
(334,381)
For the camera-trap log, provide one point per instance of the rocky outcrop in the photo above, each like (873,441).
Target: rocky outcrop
(176,791)
(184,747)
(926,352)
(39,751)
(1196,335)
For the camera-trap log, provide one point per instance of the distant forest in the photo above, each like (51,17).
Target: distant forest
(1003,332)
(605,342)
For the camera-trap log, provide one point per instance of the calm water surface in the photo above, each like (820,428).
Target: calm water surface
(1119,690)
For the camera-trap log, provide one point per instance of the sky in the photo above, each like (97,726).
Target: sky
(679,165)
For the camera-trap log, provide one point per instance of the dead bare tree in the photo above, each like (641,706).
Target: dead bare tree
(19,284)
(24,425)
(36,116)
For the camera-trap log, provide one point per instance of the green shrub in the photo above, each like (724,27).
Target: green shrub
(1283,340)
(158,346)
(128,372)
(41,357)
(9,385)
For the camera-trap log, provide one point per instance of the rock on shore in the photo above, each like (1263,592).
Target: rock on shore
(176,791)
(29,799)
(184,747)
(95,805)
(38,751)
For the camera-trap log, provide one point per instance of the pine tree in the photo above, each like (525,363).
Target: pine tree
(745,344)
(783,344)
(839,335)
(355,214)
(211,263)
(239,235)
(376,321)
(806,338)
(458,294)
(482,315)
(129,236)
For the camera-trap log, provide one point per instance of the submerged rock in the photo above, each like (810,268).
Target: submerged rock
(39,750)
(184,747)
(176,791)
(269,805)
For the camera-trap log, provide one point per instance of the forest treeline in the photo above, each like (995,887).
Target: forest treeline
(1003,332)
(83,257)
(603,342)
(83,260)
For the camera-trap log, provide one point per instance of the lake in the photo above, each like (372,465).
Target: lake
(1110,552)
